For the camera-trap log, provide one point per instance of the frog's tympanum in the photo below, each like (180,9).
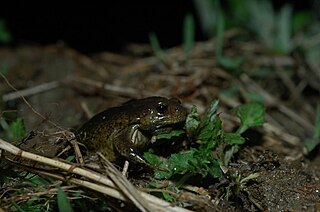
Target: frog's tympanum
(126,130)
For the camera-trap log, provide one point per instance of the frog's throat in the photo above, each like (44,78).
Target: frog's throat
(138,138)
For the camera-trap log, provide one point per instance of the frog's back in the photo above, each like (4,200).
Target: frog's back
(100,127)
(116,118)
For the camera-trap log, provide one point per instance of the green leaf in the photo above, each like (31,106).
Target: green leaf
(163,172)
(5,36)
(208,133)
(4,70)
(210,129)
(219,37)
(301,20)
(17,129)
(156,47)
(192,122)
(207,11)
(261,17)
(188,33)
(230,63)
(212,112)
(152,158)
(251,115)
(310,144)
(169,135)
(36,180)
(317,128)
(231,92)
(239,11)
(180,162)
(255,97)
(70,158)
(250,177)
(167,197)
(214,169)
(63,202)
(155,185)
(229,154)
(233,138)
(283,25)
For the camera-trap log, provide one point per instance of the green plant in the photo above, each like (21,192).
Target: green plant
(273,28)
(251,114)
(3,70)
(213,23)
(215,146)
(158,51)
(282,30)
(5,36)
(188,39)
(18,130)
(24,191)
(14,130)
(312,143)
(63,202)
(207,11)
(27,183)
(188,34)
(237,184)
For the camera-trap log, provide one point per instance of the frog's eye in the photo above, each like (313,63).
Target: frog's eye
(162,107)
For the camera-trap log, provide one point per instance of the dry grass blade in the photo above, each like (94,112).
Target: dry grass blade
(30,91)
(120,90)
(125,186)
(27,103)
(154,203)
(251,85)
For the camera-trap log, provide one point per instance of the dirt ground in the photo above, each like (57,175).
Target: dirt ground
(67,87)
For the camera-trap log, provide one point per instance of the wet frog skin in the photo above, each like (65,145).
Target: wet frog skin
(126,130)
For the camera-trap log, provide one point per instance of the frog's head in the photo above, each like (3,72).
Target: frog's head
(160,112)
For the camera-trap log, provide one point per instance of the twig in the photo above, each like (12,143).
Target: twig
(125,186)
(110,191)
(28,104)
(290,139)
(273,101)
(77,151)
(30,91)
(156,203)
(125,168)
(36,194)
(287,81)
(121,90)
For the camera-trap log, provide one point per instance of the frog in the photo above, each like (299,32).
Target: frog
(127,130)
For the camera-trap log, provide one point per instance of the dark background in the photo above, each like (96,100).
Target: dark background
(93,27)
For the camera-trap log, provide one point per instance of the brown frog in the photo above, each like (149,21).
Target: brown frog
(126,130)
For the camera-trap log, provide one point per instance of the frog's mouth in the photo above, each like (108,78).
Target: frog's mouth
(162,130)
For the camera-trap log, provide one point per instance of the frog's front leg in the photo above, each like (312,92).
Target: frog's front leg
(129,142)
